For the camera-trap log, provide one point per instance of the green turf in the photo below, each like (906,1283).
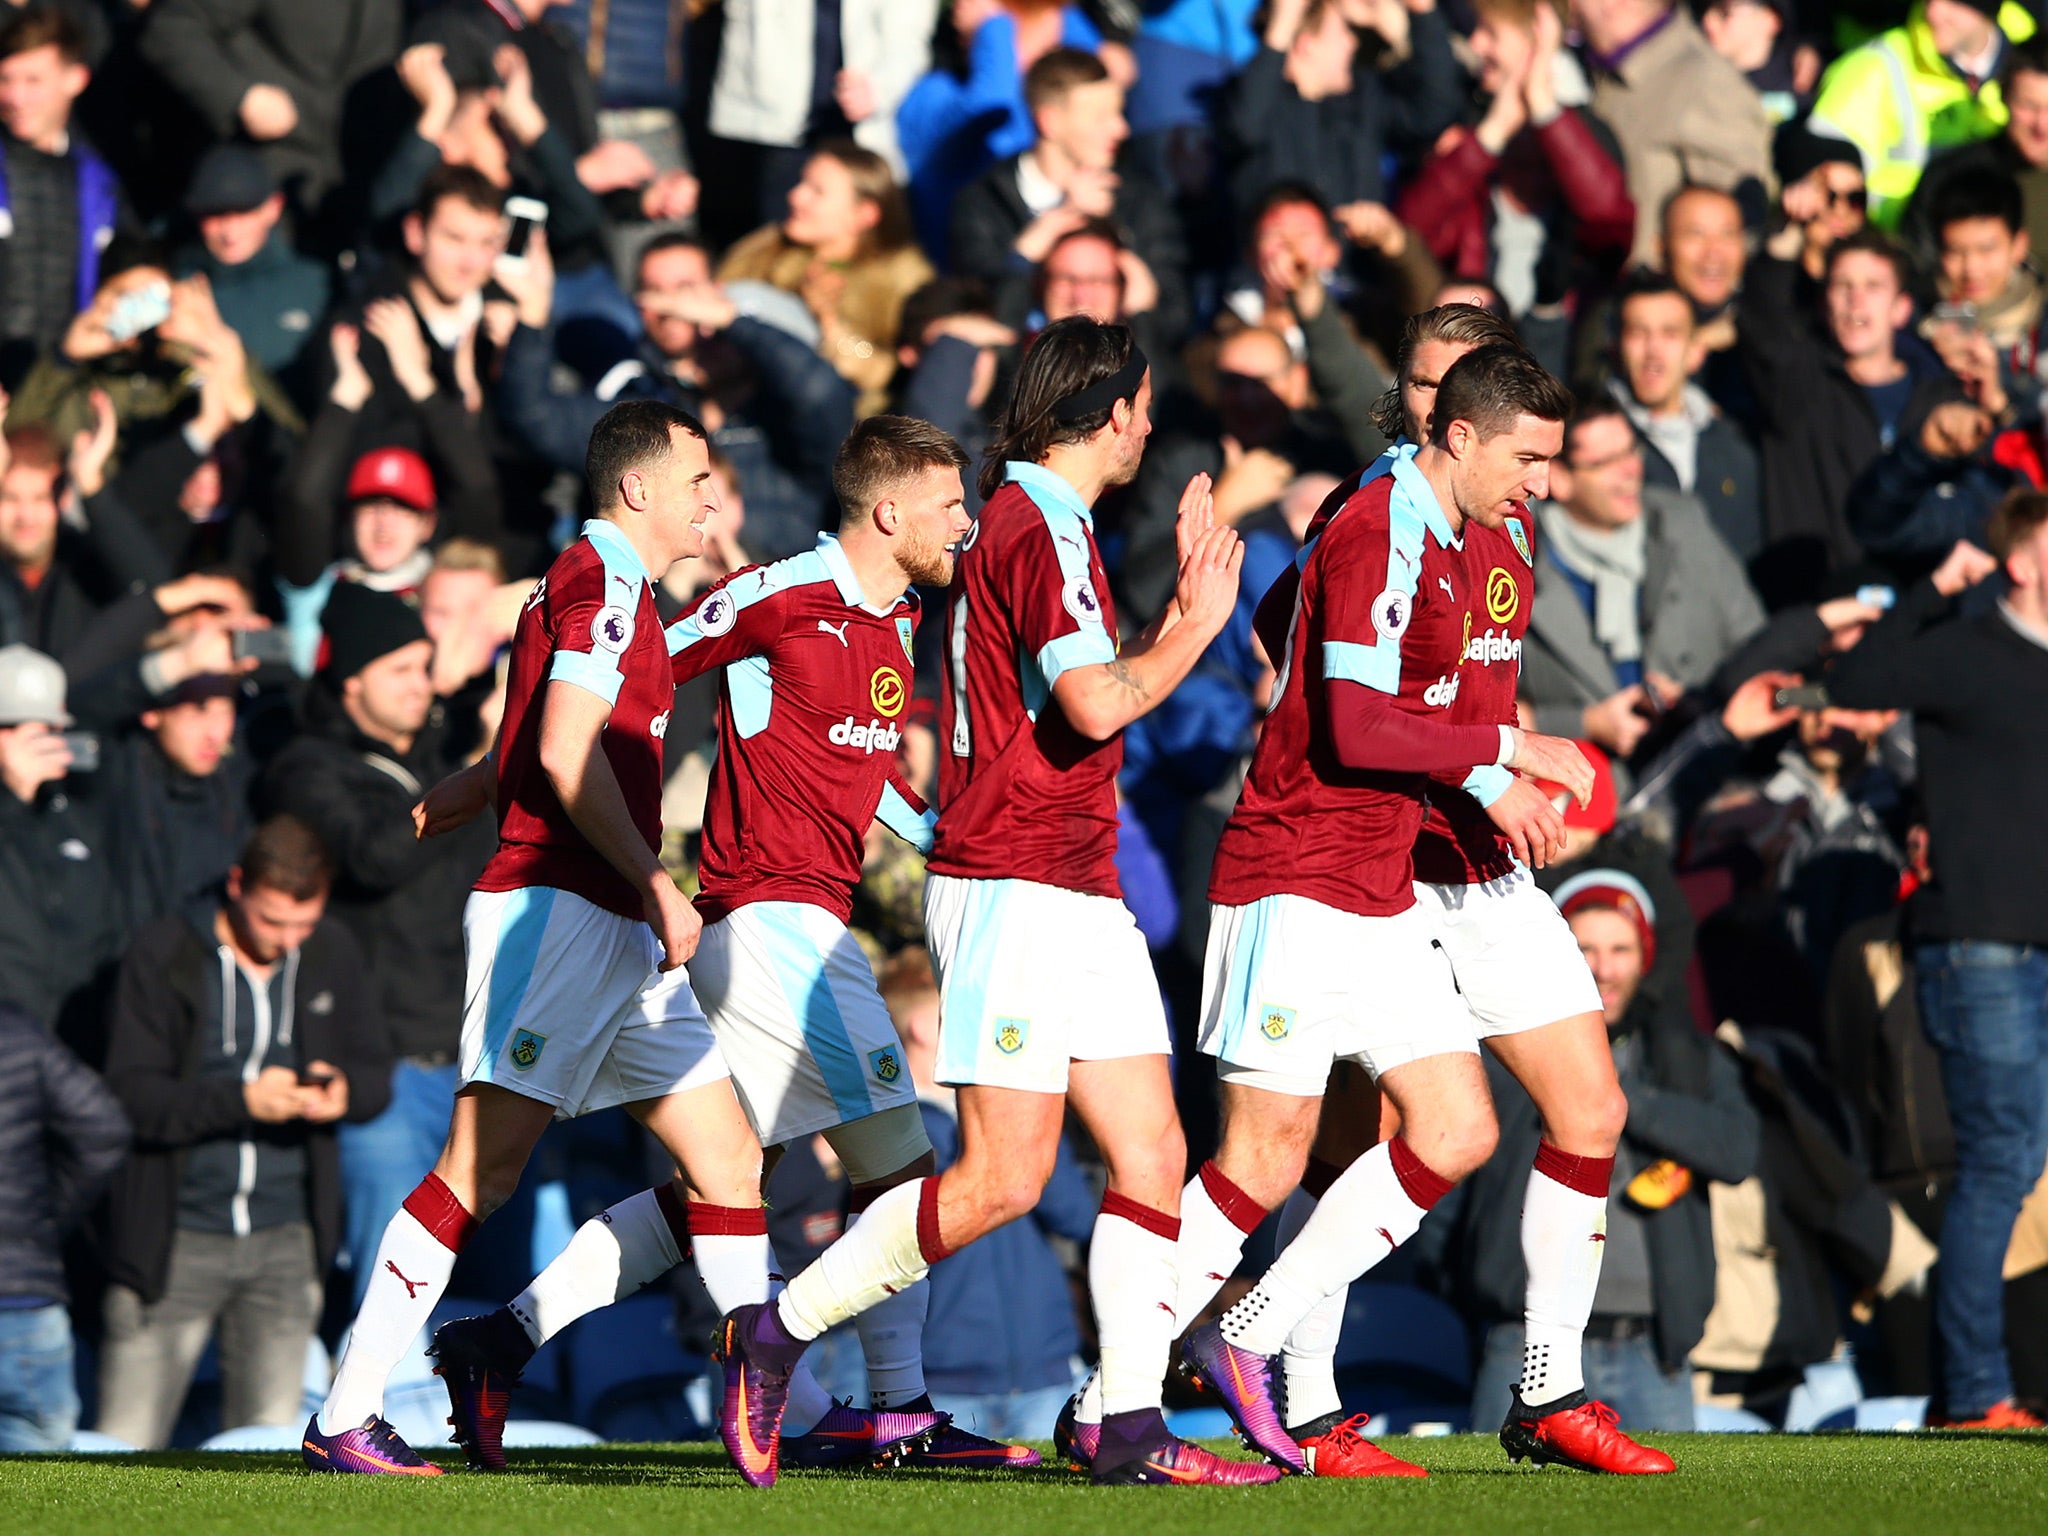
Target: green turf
(1920,1485)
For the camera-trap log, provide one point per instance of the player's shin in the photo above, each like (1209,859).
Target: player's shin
(408,1275)
(611,1256)
(1309,1360)
(1564,1235)
(889,1249)
(1132,1279)
(1372,1209)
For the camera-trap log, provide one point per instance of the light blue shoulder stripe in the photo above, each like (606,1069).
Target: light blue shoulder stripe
(1378,665)
(1088,645)
(594,671)
(914,827)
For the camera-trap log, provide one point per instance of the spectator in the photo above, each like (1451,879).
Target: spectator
(469,611)
(1687,1124)
(846,248)
(243,1031)
(62,1136)
(793,76)
(1705,254)
(1304,110)
(271,296)
(954,124)
(1536,187)
(1001,1346)
(1688,444)
(61,199)
(1977,687)
(1637,597)
(1008,220)
(773,406)
(409,370)
(1989,329)
(950,348)
(1830,403)
(375,740)
(1821,194)
(477,110)
(60,914)
(1683,114)
(2020,151)
(287,75)
(1761,38)
(1939,482)
(1928,84)
(392,516)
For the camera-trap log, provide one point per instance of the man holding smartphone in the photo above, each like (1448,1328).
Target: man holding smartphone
(243,1031)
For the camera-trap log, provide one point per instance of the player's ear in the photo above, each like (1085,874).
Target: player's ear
(885,515)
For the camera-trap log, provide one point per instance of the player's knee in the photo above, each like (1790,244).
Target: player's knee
(1464,1147)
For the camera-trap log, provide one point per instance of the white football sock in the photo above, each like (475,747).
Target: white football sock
(1309,1360)
(406,1279)
(1370,1211)
(892,1340)
(1132,1279)
(1564,1236)
(881,1255)
(611,1256)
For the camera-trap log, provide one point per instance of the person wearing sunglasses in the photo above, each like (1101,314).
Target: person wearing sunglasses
(1823,197)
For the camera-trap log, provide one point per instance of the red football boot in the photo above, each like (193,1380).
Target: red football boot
(1335,1447)
(1577,1432)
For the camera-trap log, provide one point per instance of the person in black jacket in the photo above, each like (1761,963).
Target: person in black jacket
(1687,1124)
(376,738)
(1007,221)
(1978,689)
(1833,382)
(1307,108)
(242,1031)
(62,1135)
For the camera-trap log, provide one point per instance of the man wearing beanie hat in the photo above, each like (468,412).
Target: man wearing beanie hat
(1926,85)
(1822,194)
(266,291)
(374,739)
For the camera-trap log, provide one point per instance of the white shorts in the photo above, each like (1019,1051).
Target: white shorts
(563,1004)
(791,997)
(1034,976)
(1290,986)
(1516,961)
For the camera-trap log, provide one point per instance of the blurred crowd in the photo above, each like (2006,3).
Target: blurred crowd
(307,308)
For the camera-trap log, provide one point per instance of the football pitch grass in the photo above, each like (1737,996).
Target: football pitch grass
(1871,1485)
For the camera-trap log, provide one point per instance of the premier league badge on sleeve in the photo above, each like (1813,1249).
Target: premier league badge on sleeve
(1391,611)
(612,629)
(717,613)
(1079,598)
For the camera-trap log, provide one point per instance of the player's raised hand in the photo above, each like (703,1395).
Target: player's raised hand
(1207,591)
(454,802)
(674,920)
(1197,515)
(1531,824)
(1556,759)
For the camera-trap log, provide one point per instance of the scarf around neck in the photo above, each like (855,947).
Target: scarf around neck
(1613,560)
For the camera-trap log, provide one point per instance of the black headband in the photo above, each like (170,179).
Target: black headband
(1104,393)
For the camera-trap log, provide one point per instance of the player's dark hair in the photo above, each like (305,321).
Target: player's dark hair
(285,855)
(1495,387)
(1464,325)
(631,435)
(1871,243)
(1593,408)
(1059,72)
(1981,193)
(1066,357)
(2014,520)
(884,452)
(465,183)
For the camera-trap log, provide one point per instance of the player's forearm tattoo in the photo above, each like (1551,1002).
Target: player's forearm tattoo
(1121,671)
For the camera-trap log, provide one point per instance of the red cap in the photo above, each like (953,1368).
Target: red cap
(395,474)
(1598,814)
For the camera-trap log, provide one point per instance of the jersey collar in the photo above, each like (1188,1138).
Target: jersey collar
(841,569)
(1412,481)
(1043,486)
(615,545)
